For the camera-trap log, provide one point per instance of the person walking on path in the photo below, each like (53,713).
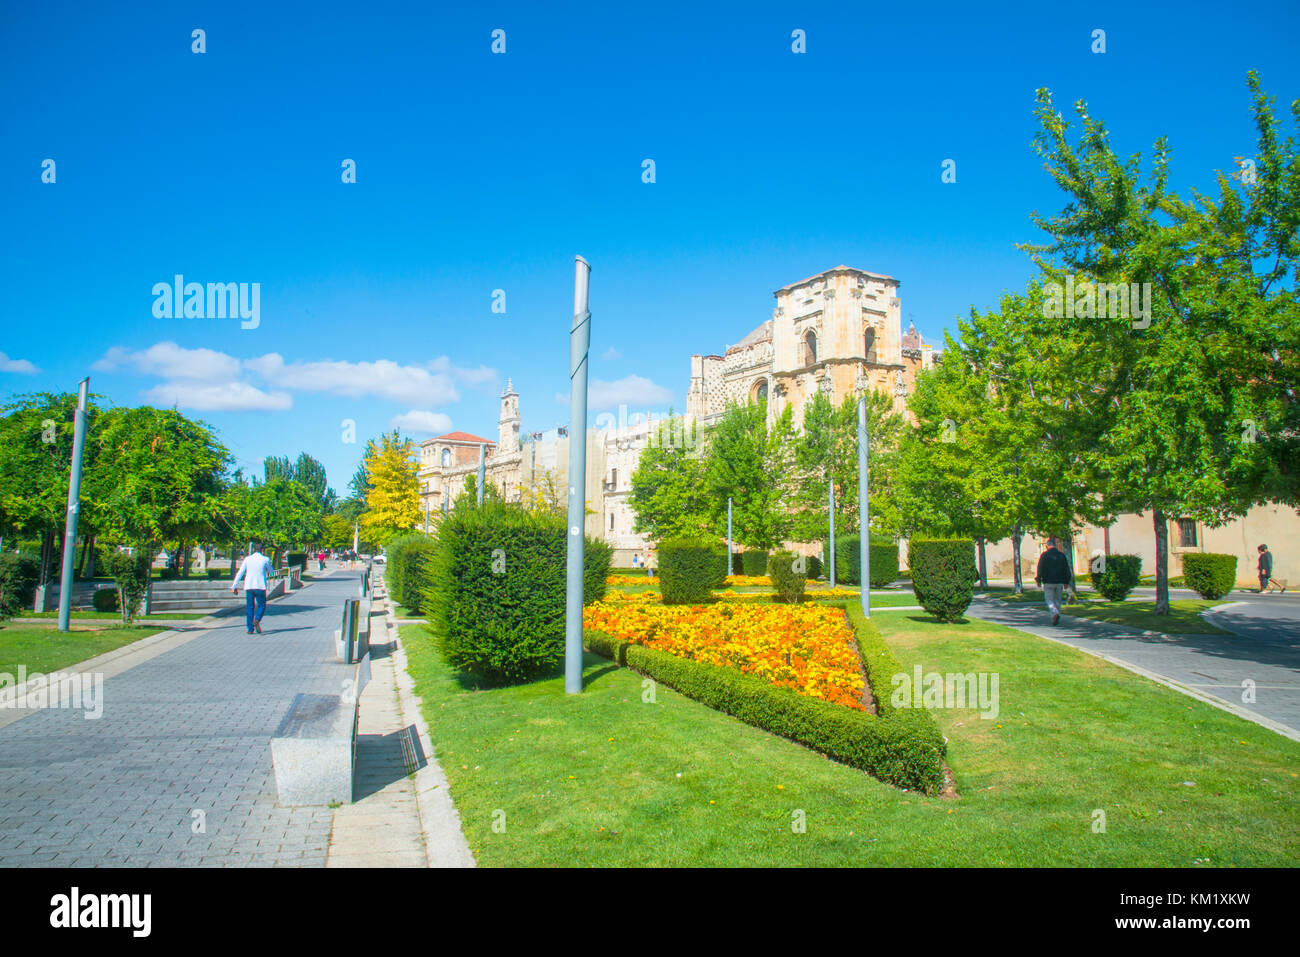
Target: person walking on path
(1053,575)
(252,572)
(1266,579)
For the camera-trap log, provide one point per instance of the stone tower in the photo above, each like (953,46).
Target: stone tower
(508,425)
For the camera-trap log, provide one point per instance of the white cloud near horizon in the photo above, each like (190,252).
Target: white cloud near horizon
(216,397)
(632,391)
(421,422)
(209,380)
(611,353)
(21,366)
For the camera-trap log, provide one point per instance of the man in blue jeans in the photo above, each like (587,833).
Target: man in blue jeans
(253,574)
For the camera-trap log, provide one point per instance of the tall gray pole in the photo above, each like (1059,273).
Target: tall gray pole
(730,547)
(446,499)
(426,516)
(830,483)
(579,345)
(864,540)
(482,470)
(74,505)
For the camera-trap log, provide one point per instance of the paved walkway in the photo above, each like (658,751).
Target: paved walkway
(1211,667)
(177,770)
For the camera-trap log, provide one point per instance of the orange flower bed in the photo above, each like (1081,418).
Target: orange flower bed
(808,648)
(743,580)
(629,580)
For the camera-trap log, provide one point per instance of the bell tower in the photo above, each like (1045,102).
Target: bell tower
(508,425)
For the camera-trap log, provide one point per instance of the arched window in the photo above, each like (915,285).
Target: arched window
(446,458)
(869,344)
(810,348)
(759,391)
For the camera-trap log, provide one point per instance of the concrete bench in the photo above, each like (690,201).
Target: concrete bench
(314,750)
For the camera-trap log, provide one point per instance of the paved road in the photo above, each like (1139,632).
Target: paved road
(186,731)
(1265,652)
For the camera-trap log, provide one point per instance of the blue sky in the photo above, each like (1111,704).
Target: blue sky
(479,171)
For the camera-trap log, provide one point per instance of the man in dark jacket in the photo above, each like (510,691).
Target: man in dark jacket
(1053,575)
(1266,579)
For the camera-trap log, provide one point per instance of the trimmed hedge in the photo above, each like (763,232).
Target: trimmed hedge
(405,573)
(848,561)
(943,575)
(906,749)
(18,577)
(105,599)
(689,570)
(737,564)
(816,567)
(495,590)
(1211,575)
(787,580)
(1119,576)
(296,558)
(753,562)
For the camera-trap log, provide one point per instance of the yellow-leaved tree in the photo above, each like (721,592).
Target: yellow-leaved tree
(393,496)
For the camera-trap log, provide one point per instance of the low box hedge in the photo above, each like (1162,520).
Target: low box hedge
(1210,574)
(903,747)
(848,561)
(753,562)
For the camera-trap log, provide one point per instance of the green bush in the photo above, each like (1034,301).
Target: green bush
(597,554)
(296,558)
(1211,575)
(816,568)
(495,590)
(905,749)
(18,577)
(216,574)
(789,576)
(1118,576)
(168,574)
(407,570)
(105,599)
(737,563)
(689,570)
(753,562)
(132,576)
(943,575)
(848,561)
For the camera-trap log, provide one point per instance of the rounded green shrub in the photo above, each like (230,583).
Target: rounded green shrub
(943,575)
(495,590)
(1210,574)
(753,562)
(816,567)
(788,572)
(296,558)
(105,599)
(18,577)
(689,570)
(1114,576)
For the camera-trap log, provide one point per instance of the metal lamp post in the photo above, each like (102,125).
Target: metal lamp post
(831,485)
(864,547)
(74,505)
(482,470)
(730,546)
(579,346)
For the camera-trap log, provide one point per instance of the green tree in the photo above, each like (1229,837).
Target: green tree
(393,499)
(668,498)
(751,462)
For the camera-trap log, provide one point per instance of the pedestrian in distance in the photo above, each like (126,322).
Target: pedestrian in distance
(253,572)
(1266,579)
(1053,575)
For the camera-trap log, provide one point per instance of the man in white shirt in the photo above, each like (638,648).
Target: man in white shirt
(253,572)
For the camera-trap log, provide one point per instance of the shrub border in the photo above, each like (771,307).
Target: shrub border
(900,747)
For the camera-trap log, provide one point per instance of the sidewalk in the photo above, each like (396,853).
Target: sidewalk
(1210,668)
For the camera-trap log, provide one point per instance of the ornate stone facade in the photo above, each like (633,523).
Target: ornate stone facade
(838,332)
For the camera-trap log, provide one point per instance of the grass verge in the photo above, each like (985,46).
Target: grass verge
(43,649)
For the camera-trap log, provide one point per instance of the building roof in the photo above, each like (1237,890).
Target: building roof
(463,437)
(840,268)
(762,334)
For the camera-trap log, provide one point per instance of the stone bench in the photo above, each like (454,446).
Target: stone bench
(314,750)
(352,640)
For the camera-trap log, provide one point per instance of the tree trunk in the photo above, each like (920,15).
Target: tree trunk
(1069,561)
(984,571)
(1162,561)
(1015,558)
(90,560)
(81,564)
(183,551)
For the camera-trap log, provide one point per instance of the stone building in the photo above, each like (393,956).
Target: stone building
(838,332)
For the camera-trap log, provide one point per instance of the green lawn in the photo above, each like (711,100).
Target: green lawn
(603,779)
(1184,616)
(45,649)
(105,615)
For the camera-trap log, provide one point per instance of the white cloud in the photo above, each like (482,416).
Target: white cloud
(421,422)
(16,365)
(210,397)
(167,360)
(409,385)
(480,376)
(611,353)
(632,390)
